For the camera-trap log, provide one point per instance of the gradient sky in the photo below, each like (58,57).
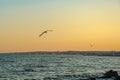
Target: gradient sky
(76,24)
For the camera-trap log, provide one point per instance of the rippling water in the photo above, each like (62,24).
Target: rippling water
(54,66)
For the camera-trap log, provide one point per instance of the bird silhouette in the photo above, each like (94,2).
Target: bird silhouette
(46,31)
(91,45)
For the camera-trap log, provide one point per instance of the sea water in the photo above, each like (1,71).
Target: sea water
(55,66)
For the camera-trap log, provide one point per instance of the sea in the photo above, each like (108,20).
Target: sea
(36,66)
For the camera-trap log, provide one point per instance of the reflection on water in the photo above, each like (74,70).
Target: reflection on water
(54,66)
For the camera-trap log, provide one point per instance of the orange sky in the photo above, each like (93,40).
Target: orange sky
(75,25)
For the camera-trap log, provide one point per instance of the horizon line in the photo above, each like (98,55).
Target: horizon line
(15,52)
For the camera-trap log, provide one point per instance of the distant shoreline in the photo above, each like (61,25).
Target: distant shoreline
(84,53)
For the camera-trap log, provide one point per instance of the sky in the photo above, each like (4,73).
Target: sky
(75,23)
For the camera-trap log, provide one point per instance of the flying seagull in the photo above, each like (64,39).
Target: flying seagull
(44,32)
(91,45)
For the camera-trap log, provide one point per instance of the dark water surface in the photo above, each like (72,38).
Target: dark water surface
(54,66)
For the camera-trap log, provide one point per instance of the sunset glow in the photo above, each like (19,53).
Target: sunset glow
(75,24)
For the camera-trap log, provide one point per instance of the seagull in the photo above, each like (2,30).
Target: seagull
(44,32)
(91,45)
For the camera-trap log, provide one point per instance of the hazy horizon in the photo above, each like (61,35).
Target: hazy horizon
(75,23)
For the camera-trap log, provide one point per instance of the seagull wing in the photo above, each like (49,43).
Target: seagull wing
(49,30)
(42,34)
